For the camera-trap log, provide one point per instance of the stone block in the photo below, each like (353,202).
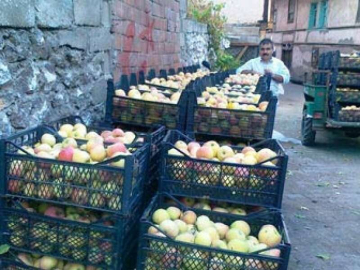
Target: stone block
(105,14)
(98,92)
(54,13)
(17,13)
(5,75)
(87,12)
(76,38)
(100,39)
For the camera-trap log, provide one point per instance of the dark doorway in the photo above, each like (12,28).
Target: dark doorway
(286,57)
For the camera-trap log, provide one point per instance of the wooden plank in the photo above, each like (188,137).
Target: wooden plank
(241,54)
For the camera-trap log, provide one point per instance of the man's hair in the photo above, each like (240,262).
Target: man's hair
(266,41)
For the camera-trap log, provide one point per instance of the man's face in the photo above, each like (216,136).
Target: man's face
(266,52)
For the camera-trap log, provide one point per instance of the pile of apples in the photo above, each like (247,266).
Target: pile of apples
(143,92)
(214,206)
(190,228)
(68,213)
(350,108)
(80,131)
(211,150)
(180,80)
(49,263)
(222,101)
(243,79)
(92,152)
(69,241)
(347,90)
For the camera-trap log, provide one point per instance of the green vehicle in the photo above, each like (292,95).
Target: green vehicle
(322,106)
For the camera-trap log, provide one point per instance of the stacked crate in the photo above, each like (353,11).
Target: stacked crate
(81,213)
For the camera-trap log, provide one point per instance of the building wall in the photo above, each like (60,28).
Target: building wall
(56,56)
(342,32)
(243,11)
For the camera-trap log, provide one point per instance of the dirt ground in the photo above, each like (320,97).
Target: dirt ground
(321,201)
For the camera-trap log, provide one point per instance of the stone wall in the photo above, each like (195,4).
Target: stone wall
(55,57)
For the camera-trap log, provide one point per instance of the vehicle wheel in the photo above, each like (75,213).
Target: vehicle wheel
(307,133)
(352,134)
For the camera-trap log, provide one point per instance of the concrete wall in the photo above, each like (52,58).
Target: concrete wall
(243,11)
(55,57)
(342,32)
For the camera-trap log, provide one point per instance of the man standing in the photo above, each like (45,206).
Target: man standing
(266,64)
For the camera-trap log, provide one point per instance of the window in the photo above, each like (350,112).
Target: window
(313,15)
(291,11)
(323,14)
(318,14)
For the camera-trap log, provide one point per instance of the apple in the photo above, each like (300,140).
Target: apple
(189,217)
(269,235)
(265,154)
(213,233)
(160,215)
(118,132)
(45,191)
(93,135)
(175,152)
(79,196)
(173,212)
(54,212)
(234,233)
(225,152)
(193,145)
(249,160)
(205,152)
(48,139)
(222,229)
(106,133)
(238,245)
(42,148)
(14,186)
(78,134)
(66,154)
(257,247)
(242,226)
(219,244)
(80,156)
(186,237)
(214,146)
(181,225)
(181,145)
(120,93)
(203,238)
(74,266)
(69,142)
(170,228)
(247,149)
(116,148)
(26,259)
(203,206)
(98,153)
(203,222)
(220,209)
(238,211)
(239,157)
(129,137)
(68,128)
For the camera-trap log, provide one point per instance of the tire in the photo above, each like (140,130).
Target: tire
(353,135)
(307,133)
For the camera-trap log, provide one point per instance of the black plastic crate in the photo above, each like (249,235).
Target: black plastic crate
(103,243)
(164,253)
(251,125)
(257,185)
(10,261)
(351,116)
(93,186)
(145,113)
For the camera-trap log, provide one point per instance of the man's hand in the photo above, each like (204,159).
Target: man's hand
(269,72)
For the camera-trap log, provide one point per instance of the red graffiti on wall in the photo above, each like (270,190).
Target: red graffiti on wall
(146,35)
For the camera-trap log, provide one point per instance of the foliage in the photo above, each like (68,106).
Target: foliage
(207,12)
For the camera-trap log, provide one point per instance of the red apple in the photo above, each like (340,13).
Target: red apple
(106,134)
(116,148)
(54,212)
(66,154)
(205,152)
(117,132)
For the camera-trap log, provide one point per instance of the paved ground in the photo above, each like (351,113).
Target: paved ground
(322,194)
